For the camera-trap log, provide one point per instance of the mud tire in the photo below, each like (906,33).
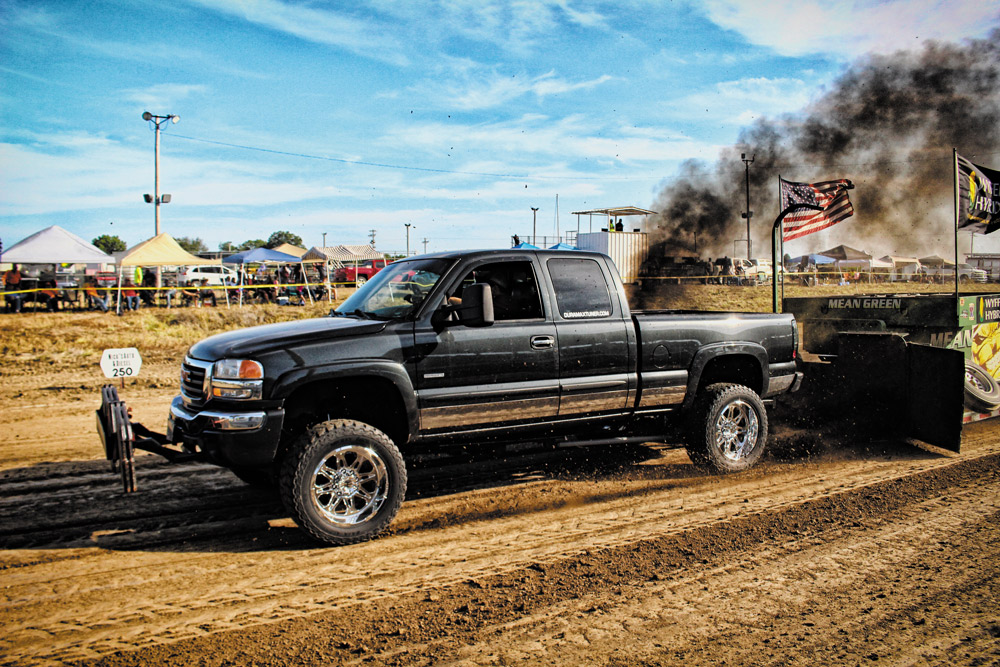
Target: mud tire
(727,431)
(982,393)
(343,481)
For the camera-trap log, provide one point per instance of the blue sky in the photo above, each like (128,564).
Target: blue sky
(456,117)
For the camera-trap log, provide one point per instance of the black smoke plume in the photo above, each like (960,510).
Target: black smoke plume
(889,124)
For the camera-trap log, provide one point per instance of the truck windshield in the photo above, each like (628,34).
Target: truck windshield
(396,291)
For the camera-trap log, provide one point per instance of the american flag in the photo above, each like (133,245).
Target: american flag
(828,199)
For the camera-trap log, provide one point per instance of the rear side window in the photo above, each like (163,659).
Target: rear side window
(580,287)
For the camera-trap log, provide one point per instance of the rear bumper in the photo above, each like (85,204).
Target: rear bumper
(235,438)
(784,384)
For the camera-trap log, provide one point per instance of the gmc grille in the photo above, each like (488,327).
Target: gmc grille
(193,379)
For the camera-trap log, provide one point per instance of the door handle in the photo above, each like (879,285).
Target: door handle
(542,342)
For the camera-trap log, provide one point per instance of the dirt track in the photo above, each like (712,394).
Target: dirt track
(847,554)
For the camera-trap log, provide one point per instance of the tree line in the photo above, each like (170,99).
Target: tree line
(109,243)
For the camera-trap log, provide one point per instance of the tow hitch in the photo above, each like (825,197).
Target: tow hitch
(120,438)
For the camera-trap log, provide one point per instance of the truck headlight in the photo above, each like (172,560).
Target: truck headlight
(240,379)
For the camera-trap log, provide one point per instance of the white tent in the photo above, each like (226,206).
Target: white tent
(55,245)
(903,268)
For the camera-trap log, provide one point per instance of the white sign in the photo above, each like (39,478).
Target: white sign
(122,362)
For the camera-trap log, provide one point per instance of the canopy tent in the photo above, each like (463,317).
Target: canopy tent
(936,261)
(843,252)
(562,246)
(903,268)
(55,245)
(265,256)
(317,254)
(342,253)
(524,246)
(260,256)
(290,249)
(161,250)
(811,259)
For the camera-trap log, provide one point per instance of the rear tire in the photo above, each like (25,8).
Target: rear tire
(343,481)
(728,429)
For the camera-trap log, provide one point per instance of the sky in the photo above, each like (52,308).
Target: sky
(454,117)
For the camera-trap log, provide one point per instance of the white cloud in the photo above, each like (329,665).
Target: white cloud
(851,29)
(492,90)
(738,103)
(364,38)
(572,137)
(163,95)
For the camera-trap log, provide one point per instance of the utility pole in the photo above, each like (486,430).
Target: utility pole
(371,235)
(425,245)
(748,213)
(534,225)
(156,199)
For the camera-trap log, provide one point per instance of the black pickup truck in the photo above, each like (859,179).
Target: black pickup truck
(485,347)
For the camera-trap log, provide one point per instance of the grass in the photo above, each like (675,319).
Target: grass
(33,343)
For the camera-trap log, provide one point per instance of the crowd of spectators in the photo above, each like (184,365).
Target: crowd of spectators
(284,284)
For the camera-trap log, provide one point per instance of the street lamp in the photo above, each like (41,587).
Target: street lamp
(534,225)
(408,225)
(748,214)
(155,198)
(324,239)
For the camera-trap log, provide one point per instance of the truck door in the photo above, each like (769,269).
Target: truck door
(592,336)
(504,373)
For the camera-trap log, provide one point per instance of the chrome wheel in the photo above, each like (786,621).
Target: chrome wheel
(727,428)
(350,485)
(736,430)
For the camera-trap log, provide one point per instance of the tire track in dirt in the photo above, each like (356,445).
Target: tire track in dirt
(882,587)
(176,589)
(598,596)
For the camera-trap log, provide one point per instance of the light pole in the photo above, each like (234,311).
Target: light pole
(155,198)
(324,239)
(408,225)
(534,225)
(748,214)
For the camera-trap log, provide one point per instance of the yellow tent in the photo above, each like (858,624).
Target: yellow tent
(290,249)
(161,250)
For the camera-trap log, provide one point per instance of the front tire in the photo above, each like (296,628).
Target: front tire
(728,429)
(343,481)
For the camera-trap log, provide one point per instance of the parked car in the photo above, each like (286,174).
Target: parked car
(215,274)
(966,273)
(359,274)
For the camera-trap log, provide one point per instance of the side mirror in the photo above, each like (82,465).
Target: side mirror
(476,309)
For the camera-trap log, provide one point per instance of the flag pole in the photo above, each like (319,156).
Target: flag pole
(774,258)
(781,249)
(954,183)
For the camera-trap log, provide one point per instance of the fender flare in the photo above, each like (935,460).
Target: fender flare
(714,351)
(393,372)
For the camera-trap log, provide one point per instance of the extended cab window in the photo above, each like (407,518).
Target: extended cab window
(515,291)
(580,287)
